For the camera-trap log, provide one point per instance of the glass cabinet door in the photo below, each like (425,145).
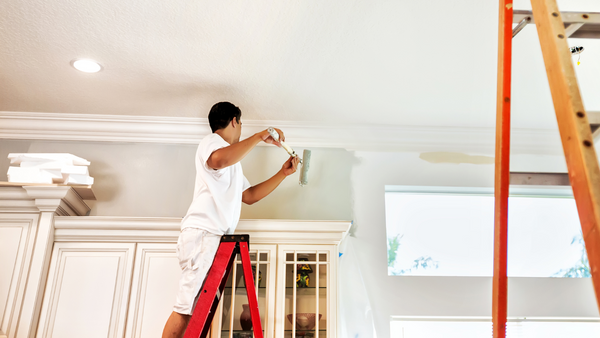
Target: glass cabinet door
(232,317)
(306,281)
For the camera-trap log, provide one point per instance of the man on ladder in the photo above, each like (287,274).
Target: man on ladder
(219,192)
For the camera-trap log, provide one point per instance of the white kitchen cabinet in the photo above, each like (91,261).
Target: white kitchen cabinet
(70,275)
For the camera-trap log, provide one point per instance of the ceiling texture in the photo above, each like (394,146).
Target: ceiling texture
(337,63)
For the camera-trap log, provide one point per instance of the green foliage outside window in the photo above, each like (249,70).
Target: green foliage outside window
(393,245)
(581,269)
(423,262)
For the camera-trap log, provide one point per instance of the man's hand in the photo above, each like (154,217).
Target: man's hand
(260,191)
(267,138)
(290,166)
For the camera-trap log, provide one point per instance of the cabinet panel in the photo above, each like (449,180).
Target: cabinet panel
(16,245)
(87,290)
(154,289)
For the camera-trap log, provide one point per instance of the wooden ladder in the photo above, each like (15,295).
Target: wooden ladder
(575,133)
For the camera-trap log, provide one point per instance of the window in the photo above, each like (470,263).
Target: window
(476,327)
(450,232)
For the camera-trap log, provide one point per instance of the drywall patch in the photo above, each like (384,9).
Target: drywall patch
(455,158)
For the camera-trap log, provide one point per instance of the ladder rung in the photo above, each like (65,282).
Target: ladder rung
(531,178)
(590,20)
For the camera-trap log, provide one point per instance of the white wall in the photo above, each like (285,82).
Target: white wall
(445,296)
(157,180)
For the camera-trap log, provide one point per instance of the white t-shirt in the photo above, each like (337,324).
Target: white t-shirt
(217,202)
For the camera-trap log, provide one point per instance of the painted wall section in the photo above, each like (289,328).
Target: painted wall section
(328,195)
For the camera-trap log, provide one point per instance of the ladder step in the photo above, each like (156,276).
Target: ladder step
(590,28)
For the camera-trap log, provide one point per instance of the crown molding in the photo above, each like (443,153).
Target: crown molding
(186,130)
(61,200)
(16,200)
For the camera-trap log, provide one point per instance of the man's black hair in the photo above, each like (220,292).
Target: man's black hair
(221,114)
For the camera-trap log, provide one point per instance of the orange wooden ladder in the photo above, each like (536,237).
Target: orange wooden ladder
(576,136)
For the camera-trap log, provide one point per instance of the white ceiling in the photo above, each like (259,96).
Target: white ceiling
(349,62)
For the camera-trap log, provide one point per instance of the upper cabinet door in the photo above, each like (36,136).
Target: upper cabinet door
(306,302)
(87,290)
(153,289)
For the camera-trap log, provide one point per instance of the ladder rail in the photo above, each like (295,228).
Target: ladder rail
(574,128)
(250,290)
(502,170)
(212,289)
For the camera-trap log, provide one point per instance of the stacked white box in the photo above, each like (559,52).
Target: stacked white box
(49,168)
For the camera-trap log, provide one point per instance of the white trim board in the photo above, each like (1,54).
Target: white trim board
(167,229)
(185,130)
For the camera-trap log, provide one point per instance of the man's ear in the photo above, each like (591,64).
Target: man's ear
(233,122)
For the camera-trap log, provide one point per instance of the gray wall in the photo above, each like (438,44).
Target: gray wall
(129,179)
(157,180)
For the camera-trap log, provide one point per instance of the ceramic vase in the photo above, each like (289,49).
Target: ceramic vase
(246,318)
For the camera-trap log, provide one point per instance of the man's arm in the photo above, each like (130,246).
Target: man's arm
(260,191)
(225,157)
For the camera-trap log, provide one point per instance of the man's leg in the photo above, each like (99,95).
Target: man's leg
(176,324)
(196,250)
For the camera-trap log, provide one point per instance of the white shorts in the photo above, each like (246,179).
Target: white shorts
(196,250)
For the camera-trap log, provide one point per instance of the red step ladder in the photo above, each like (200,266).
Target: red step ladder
(214,284)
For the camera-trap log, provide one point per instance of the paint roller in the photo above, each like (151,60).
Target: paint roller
(304,161)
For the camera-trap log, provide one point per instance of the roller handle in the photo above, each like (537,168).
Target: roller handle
(275,135)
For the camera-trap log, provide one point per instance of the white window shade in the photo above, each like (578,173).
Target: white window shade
(440,232)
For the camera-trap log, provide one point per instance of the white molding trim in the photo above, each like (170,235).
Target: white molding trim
(62,200)
(186,130)
(16,200)
(163,229)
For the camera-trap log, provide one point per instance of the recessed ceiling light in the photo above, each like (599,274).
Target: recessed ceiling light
(86,65)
